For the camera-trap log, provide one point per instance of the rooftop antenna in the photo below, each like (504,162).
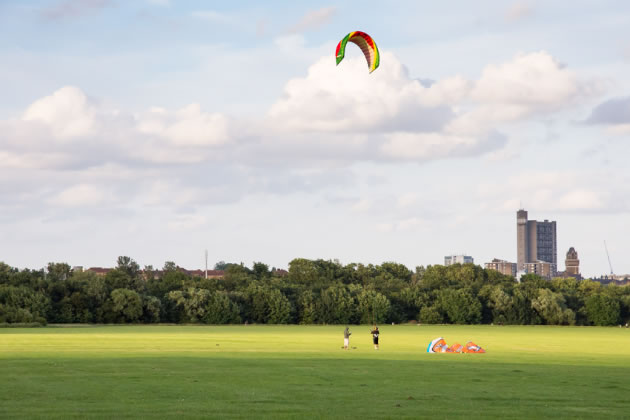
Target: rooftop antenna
(206,263)
(608,255)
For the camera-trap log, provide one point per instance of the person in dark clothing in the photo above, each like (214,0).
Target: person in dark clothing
(346,338)
(375,334)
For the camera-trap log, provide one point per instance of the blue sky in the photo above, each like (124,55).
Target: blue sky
(157,129)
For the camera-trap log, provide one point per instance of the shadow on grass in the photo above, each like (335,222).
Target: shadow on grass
(239,387)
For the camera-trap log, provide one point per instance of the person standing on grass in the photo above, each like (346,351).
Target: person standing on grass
(346,338)
(375,334)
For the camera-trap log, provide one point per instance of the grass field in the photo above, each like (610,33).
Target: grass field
(301,371)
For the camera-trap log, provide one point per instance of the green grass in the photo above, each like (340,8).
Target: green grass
(301,371)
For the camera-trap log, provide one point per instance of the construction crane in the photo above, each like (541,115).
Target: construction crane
(608,255)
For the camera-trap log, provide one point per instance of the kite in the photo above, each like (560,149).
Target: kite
(471,347)
(367,45)
(438,345)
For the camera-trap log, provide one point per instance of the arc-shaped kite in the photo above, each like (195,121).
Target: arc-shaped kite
(367,45)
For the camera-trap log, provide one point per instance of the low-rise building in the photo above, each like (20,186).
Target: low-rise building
(458,259)
(541,268)
(618,279)
(216,274)
(502,266)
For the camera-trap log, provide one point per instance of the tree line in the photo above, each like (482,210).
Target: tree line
(311,292)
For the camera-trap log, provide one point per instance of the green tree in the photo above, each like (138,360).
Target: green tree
(552,308)
(118,279)
(126,305)
(169,266)
(221,265)
(303,271)
(502,305)
(279,307)
(306,308)
(261,271)
(430,315)
(236,277)
(602,310)
(336,305)
(128,266)
(221,310)
(151,308)
(193,301)
(22,304)
(460,306)
(398,271)
(373,307)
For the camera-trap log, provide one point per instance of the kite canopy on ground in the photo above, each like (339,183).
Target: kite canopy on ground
(471,347)
(438,345)
(367,45)
(455,348)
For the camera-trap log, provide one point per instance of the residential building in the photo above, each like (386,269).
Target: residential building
(618,279)
(535,242)
(541,268)
(458,259)
(502,266)
(215,274)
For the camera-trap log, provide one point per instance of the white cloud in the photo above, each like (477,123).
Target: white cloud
(74,8)
(403,225)
(67,128)
(78,196)
(565,191)
(404,119)
(189,126)
(334,112)
(426,146)
(186,222)
(534,80)
(582,199)
(362,205)
(327,120)
(408,224)
(528,85)
(384,227)
(68,112)
(407,199)
(519,10)
(348,98)
(314,19)
(32,160)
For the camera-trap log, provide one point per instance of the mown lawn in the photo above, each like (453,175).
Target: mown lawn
(301,371)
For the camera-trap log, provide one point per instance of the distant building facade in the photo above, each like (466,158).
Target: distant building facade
(212,274)
(618,279)
(536,242)
(458,259)
(502,266)
(541,268)
(571,265)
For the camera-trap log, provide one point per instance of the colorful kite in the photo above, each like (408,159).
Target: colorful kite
(455,348)
(367,45)
(471,347)
(438,345)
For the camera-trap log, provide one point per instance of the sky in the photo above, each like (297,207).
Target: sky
(158,129)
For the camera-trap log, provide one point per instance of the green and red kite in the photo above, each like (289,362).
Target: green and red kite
(367,45)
